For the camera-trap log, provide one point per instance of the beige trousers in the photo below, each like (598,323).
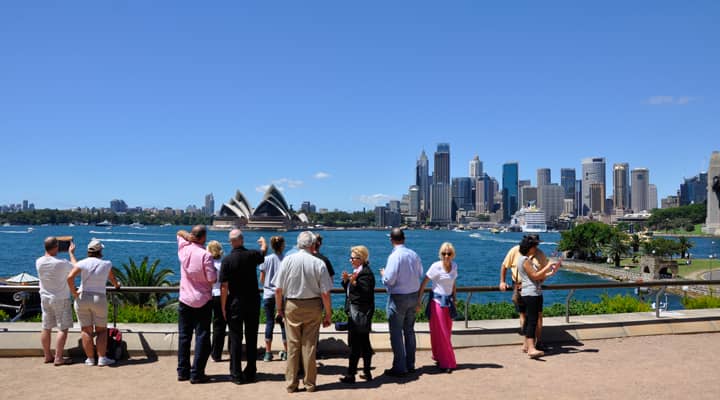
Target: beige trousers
(302,326)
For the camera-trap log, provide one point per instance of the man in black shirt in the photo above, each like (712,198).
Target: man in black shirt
(240,299)
(316,253)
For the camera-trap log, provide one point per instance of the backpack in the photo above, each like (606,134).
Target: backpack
(116,348)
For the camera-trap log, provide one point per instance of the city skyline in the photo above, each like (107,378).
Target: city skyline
(159,105)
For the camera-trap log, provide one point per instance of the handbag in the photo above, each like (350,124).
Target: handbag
(516,297)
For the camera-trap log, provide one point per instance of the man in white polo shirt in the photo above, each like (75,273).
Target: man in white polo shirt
(55,299)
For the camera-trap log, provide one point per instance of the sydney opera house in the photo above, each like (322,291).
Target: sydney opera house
(272,213)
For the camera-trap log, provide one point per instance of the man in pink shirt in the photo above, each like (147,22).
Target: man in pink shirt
(197,276)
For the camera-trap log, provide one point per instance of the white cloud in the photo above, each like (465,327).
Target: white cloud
(290,183)
(280,184)
(374,199)
(322,175)
(670,100)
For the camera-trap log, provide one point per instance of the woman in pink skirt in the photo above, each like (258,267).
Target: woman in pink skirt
(443,275)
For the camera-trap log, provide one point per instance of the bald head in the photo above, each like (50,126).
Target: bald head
(397,236)
(199,234)
(51,245)
(236,238)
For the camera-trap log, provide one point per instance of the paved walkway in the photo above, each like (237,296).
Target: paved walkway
(650,367)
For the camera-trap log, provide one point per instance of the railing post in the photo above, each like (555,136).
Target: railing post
(567,305)
(657,301)
(467,308)
(115,308)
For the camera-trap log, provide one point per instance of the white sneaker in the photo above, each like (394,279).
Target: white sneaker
(103,361)
(90,362)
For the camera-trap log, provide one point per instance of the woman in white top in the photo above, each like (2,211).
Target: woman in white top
(90,301)
(443,275)
(218,321)
(268,270)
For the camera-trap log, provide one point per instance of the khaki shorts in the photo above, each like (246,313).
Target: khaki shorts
(91,309)
(56,313)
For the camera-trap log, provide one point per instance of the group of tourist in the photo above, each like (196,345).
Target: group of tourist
(222,291)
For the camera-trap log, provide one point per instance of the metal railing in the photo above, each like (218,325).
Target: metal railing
(662,284)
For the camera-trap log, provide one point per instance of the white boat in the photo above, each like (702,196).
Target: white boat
(137,225)
(104,223)
(530,219)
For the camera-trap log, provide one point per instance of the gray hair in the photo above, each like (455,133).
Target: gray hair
(305,240)
(235,234)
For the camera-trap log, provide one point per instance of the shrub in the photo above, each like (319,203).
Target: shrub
(4,316)
(701,302)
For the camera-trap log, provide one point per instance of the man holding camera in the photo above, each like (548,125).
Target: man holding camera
(55,298)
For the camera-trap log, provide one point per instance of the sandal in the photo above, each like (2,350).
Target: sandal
(64,361)
(536,354)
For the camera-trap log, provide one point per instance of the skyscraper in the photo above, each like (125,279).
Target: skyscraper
(621,186)
(475,168)
(209,208)
(640,189)
(461,195)
(414,200)
(593,172)
(510,189)
(543,177)
(652,197)
(440,203)
(552,196)
(422,171)
(567,181)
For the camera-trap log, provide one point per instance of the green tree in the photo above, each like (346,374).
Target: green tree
(661,247)
(142,274)
(617,248)
(684,245)
(586,240)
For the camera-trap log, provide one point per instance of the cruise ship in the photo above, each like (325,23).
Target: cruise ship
(530,219)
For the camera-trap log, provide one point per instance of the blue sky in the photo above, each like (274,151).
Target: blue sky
(161,102)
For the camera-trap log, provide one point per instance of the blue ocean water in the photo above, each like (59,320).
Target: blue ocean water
(479,253)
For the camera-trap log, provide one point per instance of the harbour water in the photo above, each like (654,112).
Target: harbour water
(479,253)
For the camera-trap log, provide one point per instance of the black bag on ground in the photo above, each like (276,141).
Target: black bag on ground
(116,347)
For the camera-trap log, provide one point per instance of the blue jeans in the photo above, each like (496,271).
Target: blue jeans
(195,320)
(269,307)
(401,319)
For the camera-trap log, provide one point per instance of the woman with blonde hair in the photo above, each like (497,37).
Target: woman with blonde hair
(218,321)
(443,275)
(359,288)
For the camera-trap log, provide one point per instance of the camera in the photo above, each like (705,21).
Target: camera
(64,243)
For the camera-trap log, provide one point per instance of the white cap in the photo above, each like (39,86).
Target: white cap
(95,245)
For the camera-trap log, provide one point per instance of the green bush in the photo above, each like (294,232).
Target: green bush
(4,316)
(701,302)
(145,314)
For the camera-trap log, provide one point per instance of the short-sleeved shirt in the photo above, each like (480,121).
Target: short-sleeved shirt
(270,266)
(303,276)
(512,256)
(94,274)
(197,273)
(442,281)
(403,271)
(53,273)
(239,270)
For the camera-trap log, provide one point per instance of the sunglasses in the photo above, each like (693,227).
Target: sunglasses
(354,258)
(446,254)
